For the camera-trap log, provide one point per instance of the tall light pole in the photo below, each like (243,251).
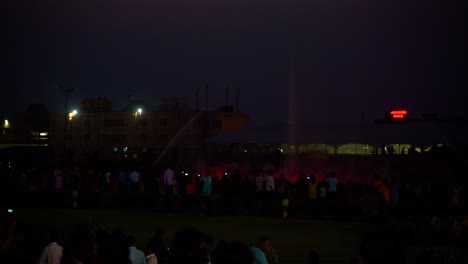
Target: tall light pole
(66,91)
(137,140)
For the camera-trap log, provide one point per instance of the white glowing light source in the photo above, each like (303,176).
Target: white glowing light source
(72,114)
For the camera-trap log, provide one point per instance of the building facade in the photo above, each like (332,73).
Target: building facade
(95,132)
(110,135)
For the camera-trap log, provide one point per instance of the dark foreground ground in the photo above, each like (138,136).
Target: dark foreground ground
(335,241)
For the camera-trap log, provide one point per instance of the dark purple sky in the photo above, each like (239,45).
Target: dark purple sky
(348,57)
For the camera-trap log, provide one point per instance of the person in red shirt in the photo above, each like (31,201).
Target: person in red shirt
(377,182)
(385,191)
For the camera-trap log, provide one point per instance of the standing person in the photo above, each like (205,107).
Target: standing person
(312,184)
(151,257)
(190,185)
(384,189)
(134,179)
(269,183)
(301,187)
(456,197)
(58,177)
(259,183)
(323,188)
(332,182)
(377,183)
(394,191)
(53,252)
(206,185)
(158,247)
(168,181)
(122,180)
(135,256)
(246,185)
(259,250)
(282,184)
(108,181)
(236,181)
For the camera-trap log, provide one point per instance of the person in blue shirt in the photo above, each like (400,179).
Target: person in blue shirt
(259,250)
(332,182)
(206,185)
(136,256)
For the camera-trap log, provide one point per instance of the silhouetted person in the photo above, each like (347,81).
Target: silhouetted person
(53,252)
(403,151)
(136,256)
(157,245)
(259,250)
(301,187)
(238,253)
(412,150)
(332,182)
(282,184)
(187,247)
(312,187)
(7,239)
(313,257)
(236,181)
(219,255)
(168,181)
(377,183)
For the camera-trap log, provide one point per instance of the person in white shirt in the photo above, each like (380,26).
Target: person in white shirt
(168,181)
(151,257)
(52,253)
(269,183)
(134,178)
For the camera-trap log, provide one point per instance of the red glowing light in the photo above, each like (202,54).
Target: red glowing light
(398,114)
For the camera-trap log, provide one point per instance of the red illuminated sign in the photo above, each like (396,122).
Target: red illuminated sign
(398,114)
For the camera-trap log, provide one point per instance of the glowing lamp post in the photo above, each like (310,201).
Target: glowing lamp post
(72,114)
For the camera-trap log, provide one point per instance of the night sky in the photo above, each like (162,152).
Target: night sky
(346,59)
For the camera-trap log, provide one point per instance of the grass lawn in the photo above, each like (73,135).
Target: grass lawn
(335,241)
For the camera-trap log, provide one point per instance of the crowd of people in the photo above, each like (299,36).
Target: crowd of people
(389,192)
(208,182)
(92,243)
(96,244)
(193,246)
